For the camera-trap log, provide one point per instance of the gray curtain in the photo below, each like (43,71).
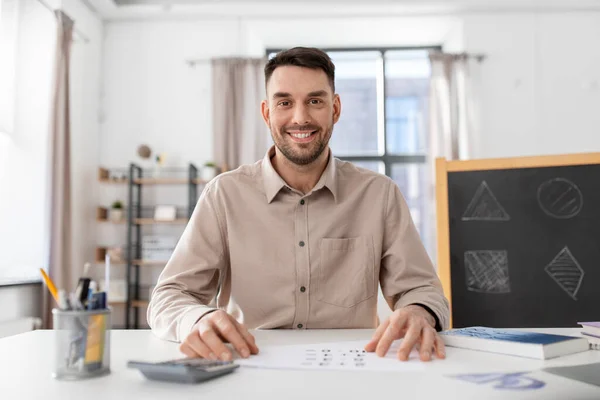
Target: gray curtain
(453,100)
(60,268)
(240,134)
(453,115)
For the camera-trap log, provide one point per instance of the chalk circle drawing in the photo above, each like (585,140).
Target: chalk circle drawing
(510,381)
(560,198)
(486,271)
(485,206)
(566,272)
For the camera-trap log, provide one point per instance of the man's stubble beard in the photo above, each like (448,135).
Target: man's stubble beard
(320,144)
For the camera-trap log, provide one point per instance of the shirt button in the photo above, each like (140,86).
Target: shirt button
(302,202)
(300,326)
(302,289)
(301,244)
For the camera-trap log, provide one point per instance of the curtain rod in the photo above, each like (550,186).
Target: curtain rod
(192,63)
(77,31)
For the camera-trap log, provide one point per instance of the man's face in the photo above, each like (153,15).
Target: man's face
(300,111)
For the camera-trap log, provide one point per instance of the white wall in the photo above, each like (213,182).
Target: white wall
(541,82)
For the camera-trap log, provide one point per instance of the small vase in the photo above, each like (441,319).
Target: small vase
(208,173)
(116,215)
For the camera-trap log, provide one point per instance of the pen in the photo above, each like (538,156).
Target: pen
(107,274)
(62,300)
(50,286)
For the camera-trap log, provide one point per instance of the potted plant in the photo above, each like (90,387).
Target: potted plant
(116,211)
(209,171)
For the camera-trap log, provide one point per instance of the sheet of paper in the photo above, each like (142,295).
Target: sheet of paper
(331,356)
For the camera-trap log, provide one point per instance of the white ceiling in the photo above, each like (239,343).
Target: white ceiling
(161,9)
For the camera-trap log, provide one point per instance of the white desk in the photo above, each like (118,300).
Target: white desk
(26,362)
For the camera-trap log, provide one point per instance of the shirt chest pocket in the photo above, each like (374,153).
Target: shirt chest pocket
(346,272)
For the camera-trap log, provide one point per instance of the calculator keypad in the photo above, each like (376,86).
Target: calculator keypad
(199,363)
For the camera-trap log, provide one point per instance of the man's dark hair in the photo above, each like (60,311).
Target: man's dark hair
(307,57)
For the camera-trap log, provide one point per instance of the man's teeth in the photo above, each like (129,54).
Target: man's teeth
(301,135)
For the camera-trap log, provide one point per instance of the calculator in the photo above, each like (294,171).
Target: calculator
(185,370)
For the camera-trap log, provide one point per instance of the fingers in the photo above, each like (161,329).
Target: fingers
(194,347)
(410,339)
(440,347)
(229,331)
(196,344)
(187,350)
(248,337)
(214,342)
(392,332)
(427,342)
(372,345)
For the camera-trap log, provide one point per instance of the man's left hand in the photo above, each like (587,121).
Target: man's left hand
(417,326)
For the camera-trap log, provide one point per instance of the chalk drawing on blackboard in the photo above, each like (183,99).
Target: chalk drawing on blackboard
(486,271)
(560,198)
(566,272)
(485,206)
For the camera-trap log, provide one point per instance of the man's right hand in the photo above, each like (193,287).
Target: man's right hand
(212,331)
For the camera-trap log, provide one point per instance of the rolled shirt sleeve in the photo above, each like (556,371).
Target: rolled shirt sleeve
(186,288)
(407,274)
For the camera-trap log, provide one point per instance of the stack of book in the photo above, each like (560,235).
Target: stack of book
(514,342)
(591,331)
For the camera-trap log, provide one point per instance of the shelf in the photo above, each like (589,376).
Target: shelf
(150,221)
(102,216)
(141,263)
(134,303)
(149,262)
(104,177)
(167,181)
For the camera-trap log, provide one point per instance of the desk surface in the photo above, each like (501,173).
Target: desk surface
(26,362)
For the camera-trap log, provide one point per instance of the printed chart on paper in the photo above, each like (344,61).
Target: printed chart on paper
(331,356)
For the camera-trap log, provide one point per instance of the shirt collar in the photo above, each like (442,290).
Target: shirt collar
(273,183)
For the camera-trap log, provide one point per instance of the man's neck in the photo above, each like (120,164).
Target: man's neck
(300,177)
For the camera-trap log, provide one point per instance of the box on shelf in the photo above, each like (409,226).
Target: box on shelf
(158,247)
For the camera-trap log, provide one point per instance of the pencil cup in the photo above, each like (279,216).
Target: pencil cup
(82,347)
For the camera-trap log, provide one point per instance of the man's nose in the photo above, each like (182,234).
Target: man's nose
(301,115)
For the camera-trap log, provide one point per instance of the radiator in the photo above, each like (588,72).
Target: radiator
(14,327)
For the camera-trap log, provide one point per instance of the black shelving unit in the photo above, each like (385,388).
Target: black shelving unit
(137,179)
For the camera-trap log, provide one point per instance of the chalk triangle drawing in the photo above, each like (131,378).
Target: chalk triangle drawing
(566,272)
(485,207)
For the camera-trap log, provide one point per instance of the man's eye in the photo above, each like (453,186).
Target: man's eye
(315,101)
(284,103)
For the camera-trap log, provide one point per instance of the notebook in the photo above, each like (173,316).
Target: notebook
(514,342)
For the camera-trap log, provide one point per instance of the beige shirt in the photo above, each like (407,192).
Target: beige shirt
(276,258)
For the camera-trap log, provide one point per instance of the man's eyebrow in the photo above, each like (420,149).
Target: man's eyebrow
(318,93)
(278,95)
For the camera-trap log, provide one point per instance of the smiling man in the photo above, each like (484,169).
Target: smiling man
(299,240)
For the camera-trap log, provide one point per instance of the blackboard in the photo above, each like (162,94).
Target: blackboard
(524,246)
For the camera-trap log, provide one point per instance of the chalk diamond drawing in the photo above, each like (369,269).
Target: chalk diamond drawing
(566,272)
(560,198)
(485,207)
(486,271)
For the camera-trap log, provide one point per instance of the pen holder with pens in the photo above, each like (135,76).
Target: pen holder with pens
(82,343)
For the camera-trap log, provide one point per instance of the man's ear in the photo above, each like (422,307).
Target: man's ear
(337,108)
(264,110)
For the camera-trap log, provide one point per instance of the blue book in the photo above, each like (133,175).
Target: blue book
(514,342)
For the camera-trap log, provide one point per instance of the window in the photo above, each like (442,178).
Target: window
(24,148)
(383,126)
(8,39)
